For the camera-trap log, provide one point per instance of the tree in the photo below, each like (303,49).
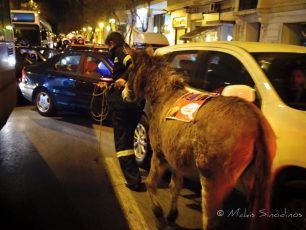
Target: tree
(65,15)
(16,4)
(110,9)
(68,15)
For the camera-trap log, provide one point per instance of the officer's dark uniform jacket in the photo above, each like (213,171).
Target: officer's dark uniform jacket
(125,117)
(121,60)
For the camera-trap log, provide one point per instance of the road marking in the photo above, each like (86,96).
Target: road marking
(129,205)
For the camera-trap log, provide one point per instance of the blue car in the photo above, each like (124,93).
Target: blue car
(65,82)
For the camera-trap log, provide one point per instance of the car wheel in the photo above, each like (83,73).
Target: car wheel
(44,103)
(142,146)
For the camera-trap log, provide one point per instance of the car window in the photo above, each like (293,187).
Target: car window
(287,74)
(184,62)
(48,53)
(90,67)
(223,69)
(68,63)
(103,70)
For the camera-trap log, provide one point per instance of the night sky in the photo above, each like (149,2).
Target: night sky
(63,15)
(68,15)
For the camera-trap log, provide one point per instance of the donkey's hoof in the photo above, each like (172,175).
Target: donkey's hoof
(172,216)
(161,225)
(161,222)
(158,212)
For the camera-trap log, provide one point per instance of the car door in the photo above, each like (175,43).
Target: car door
(62,77)
(85,83)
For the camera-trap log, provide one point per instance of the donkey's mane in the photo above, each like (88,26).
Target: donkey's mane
(157,70)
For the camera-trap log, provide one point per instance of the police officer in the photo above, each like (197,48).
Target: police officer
(125,116)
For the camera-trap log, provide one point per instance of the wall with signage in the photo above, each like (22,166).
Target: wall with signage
(179,22)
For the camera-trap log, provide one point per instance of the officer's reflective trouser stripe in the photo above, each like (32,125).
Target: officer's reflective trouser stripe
(125,60)
(125,153)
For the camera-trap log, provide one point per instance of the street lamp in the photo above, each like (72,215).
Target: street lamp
(101,32)
(101,25)
(32,5)
(9,27)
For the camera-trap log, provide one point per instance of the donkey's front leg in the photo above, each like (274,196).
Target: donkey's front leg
(158,167)
(175,188)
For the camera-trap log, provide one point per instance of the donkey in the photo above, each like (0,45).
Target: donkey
(229,143)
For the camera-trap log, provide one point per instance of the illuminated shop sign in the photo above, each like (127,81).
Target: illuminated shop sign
(179,22)
(214,17)
(23,17)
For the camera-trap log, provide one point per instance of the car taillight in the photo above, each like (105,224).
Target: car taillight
(23,75)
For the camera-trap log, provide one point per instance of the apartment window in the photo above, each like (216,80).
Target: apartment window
(247,4)
(159,22)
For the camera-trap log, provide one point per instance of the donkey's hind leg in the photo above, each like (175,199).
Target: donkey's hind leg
(158,167)
(175,188)
(213,193)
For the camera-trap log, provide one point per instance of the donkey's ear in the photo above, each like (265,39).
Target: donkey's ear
(130,51)
(178,83)
(150,51)
(134,54)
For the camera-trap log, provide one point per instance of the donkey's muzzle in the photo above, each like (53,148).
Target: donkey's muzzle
(128,95)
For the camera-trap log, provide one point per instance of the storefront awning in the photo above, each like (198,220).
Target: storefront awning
(197,31)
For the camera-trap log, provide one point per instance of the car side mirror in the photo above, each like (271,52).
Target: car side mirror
(243,91)
(103,70)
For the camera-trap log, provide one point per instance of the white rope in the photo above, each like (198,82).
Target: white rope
(98,92)
(99,117)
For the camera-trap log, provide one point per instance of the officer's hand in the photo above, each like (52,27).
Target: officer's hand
(120,83)
(102,85)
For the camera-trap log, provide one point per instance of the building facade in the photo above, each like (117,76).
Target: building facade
(201,20)
(278,21)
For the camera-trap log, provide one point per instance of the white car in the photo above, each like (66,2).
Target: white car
(263,73)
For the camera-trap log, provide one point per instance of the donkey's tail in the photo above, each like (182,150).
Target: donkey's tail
(264,152)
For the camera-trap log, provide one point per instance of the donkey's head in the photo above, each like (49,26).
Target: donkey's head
(149,77)
(138,73)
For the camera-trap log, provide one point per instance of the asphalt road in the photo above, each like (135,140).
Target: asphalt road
(62,173)
(51,178)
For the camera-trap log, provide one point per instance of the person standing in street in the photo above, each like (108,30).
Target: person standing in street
(125,116)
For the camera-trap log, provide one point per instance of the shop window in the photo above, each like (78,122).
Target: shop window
(247,4)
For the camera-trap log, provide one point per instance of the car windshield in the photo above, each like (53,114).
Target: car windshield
(27,35)
(287,74)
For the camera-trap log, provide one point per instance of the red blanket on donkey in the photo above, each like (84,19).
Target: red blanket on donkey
(186,107)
